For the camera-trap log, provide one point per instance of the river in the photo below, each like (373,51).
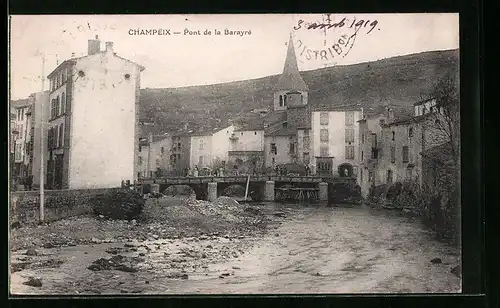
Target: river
(314,250)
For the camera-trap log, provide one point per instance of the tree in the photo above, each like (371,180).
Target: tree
(442,129)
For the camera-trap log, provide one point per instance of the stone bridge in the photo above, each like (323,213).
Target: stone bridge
(211,187)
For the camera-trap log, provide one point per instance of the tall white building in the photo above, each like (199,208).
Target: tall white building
(93,120)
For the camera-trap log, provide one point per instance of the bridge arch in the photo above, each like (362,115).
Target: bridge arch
(200,190)
(178,190)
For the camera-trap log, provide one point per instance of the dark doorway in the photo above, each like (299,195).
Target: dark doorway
(345,170)
(58,171)
(389,177)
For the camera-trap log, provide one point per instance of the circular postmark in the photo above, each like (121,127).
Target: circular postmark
(329,38)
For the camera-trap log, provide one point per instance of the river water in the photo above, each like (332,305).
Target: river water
(314,250)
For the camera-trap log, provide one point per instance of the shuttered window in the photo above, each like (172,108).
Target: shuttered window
(323,135)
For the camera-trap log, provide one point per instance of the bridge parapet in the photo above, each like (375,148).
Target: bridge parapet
(243,179)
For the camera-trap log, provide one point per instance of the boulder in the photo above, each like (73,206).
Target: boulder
(124,204)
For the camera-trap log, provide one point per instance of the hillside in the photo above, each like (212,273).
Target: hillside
(398,81)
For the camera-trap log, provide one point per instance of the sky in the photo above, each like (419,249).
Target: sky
(178,60)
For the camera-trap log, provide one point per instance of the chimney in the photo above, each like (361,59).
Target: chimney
(109,46)
(94,46)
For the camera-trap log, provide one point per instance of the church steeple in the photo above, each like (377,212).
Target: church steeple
(290,79)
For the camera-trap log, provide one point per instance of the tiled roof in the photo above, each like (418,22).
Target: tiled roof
(335,108)
(407,120)
(281,131)
(423,101)
(73,60)
(203,129)
(20,103)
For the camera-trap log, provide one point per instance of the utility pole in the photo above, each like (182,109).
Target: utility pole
(42,145)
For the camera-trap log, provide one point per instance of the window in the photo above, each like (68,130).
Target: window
(389,176)
(292,148)
(393,154)
(374,141)
(274,150)
(49,138)
(127,76)
(138,175)
(285,124)
(349,118)
(63,103)
(284,100)
(370,176)
(405,154)
(361,176)
(68,104)
(305,140)
(64,76)
(349,135)
(307,159)
(57,107)
(323,135)
(362,155)
(323,118)
(56,137)
(255,133)
(202,145)
(200,160)
(281,100)
(19,149)
(410,132)
(349,152)
(162,150)
(393,135)
(274,160)
(140,160)
(324,151)
(363,137)
(241,133)
(61,135)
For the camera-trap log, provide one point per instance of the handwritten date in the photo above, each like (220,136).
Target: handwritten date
(344,23)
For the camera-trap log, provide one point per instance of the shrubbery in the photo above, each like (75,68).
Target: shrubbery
(436,209)
(123,204)
(345,193)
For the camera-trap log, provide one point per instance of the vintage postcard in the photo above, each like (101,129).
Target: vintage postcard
(242,154)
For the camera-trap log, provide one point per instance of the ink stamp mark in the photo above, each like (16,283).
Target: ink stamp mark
(338,37)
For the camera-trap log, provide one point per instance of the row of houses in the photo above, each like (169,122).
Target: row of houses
(94,137)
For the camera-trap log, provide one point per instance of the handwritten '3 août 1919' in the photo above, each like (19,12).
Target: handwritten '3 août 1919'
(344,23)
(342,45)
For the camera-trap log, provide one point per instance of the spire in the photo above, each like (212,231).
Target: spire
(291,59)
(291,79)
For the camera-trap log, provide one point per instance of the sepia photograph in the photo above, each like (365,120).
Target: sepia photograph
(234,154)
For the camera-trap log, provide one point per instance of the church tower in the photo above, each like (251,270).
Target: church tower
(291,90)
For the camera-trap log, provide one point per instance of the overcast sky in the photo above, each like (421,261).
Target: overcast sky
(182,60)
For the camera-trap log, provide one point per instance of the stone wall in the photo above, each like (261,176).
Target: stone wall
(59,204)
